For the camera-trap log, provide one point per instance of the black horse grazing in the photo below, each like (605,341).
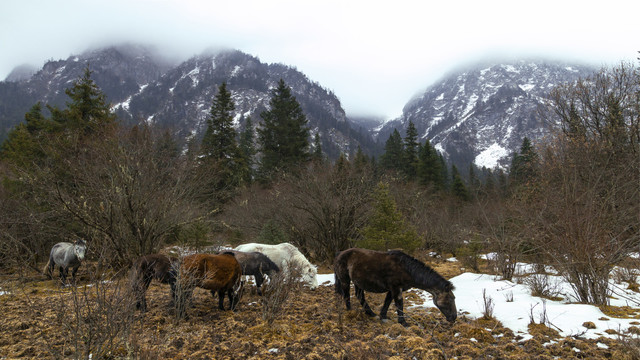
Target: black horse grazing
(256,264)
(149,267)
(391,272)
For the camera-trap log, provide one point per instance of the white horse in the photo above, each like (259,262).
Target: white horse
(283,255)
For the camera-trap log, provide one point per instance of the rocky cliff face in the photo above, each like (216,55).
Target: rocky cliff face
(481,114)
(144,87)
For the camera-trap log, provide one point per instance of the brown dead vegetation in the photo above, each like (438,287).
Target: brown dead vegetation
(313,325)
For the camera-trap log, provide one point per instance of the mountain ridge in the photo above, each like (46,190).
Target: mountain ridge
(482,113)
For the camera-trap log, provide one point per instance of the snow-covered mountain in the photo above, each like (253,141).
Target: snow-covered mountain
(482,114)
(142,86)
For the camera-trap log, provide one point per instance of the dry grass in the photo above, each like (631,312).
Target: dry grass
(312,325)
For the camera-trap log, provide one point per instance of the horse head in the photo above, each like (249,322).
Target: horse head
(445,301)
(309,275)
(80,248)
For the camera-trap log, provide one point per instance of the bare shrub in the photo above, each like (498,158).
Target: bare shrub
(586,201)
(469,255)
(98,318)
(630,342)
(625,274)
(508,296)
(543,318)
(277,292)
(540,285)
(488,305)
(320,209)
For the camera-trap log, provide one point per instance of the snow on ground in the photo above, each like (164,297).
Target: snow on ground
(514,306)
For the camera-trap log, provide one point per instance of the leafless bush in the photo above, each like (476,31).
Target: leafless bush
(625,274)
(488,305)
(509,296)
(540,285)
(469,254)
(277,293)
(98,318)
(630,342)
(586,200)
(543,318)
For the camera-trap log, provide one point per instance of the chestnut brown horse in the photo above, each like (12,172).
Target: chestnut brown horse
(154,266)
(217,273)
(391,272)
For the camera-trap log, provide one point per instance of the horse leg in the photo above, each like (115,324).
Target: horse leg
(141,304)
(221,295)
(398,301)
(63,274)
(73,274)
(234,300)
(363,301)
(385,306)
(259,281)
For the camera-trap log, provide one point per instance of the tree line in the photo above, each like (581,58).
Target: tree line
(570,201)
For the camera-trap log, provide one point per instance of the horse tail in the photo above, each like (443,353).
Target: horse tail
(47,271)
(338,284)
(339,267)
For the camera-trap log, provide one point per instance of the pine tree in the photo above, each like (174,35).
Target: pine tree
(386,228)
(393,157)
(524,164)
(429,171)
(88,110)
(360,159)
(219,144)
(458,188)
(284,136)
(410,163)
(317,149)
(247,148)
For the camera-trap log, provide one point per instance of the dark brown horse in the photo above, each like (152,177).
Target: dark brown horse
(217,273)
(391,272)
(155,266)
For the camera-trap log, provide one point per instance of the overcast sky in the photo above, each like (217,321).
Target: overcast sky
(374,57)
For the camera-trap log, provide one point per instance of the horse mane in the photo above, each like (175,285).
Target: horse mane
(420,272)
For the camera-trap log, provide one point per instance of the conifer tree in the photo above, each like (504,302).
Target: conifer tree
(219,146)
(411,147)
(386,228)
(88,110)
(524,164)
(317,149)
(247,148)
(284,136)
(458,188)
(429,171)
(360,159)
(393,156)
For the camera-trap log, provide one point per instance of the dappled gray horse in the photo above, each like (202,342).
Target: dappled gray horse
(66,255)
(256,264)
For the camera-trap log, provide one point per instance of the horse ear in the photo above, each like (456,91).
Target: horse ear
(449,286)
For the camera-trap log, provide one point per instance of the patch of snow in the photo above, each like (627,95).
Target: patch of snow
(527,87)
(490,156)
(440,97)
(235,70)
(567,318)
(326,279)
